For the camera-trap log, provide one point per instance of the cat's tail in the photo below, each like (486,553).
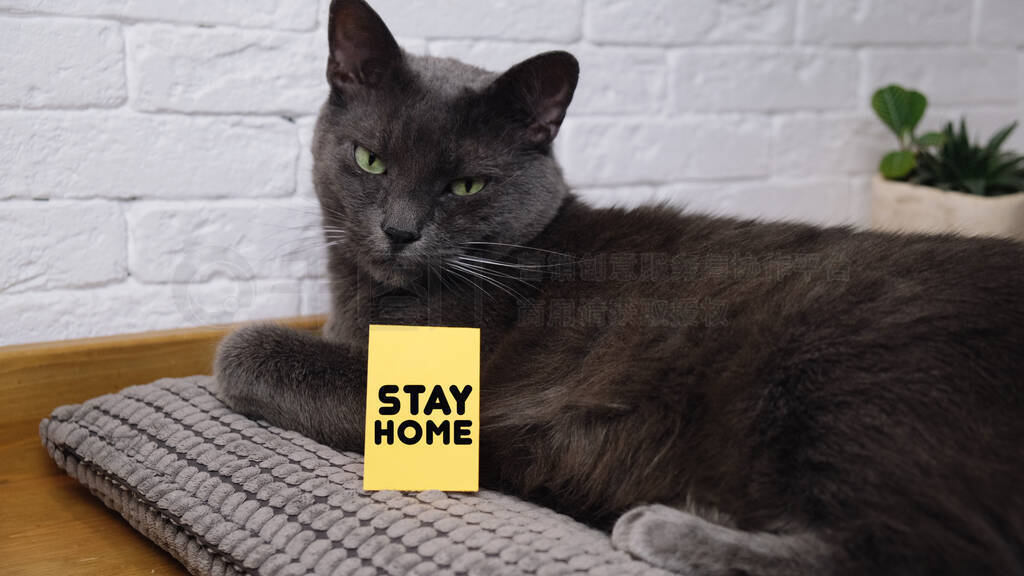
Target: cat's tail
(690,545)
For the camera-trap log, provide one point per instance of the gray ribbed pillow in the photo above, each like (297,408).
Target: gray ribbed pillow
(228,495)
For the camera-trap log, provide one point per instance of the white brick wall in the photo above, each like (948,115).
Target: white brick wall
(155,163)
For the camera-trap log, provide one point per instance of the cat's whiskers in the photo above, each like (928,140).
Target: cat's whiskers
(331,211)
(439,270)
(487,278)
(472,277)
(335,236)
(309,243)
(500,258)
(483,270)
(508,264)
(499,255)
(312,209)
(302,245)
(517,247)
(469,279)
(435,271)
(460,287)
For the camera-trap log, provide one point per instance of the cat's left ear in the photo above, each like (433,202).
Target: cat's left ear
(537,93)
(363,51)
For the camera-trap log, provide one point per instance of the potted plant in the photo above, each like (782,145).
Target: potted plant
(941,182)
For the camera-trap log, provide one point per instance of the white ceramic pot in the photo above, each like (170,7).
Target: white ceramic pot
(902,207)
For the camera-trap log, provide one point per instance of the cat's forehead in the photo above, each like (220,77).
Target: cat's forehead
(425,119)
(447,77)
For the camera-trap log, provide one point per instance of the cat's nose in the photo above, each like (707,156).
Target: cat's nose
(400,237)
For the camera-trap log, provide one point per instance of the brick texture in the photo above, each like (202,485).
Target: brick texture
(57,154)
(75,63)
(282,14)
(999,22)
(682,22)
(156,164)
(953,77)
(867,22)
(552,20)
(227,71)
(743,80)
(61,245)
(236,240)
(622,151)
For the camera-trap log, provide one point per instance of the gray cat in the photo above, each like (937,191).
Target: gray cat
(735,397)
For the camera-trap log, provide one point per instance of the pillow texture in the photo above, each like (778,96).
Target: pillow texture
(227,495)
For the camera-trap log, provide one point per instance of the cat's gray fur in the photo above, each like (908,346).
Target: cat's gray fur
(768,399)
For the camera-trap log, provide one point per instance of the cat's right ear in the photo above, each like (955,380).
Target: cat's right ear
(363,51)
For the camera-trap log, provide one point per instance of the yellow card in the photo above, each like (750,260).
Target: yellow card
(423,409)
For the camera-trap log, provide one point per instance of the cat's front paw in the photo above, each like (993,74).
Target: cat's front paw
(242,367)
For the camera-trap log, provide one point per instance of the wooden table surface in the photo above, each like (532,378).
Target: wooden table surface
(49,523)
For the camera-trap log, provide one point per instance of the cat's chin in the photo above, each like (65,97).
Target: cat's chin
(393,275)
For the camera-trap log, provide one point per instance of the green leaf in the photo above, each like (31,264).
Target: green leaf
(931,140)
(975,186)
(1008,163)
(900,109)
(889,103)
(916,105)
(897,165)
(996,142)
(962,165)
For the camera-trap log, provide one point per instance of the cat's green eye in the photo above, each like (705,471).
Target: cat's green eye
(369,161)
(468,186)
